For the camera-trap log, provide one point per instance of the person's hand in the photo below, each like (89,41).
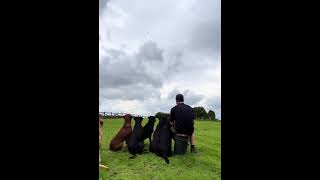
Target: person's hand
(173,130)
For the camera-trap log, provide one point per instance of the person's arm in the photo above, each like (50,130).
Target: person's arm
(172,120)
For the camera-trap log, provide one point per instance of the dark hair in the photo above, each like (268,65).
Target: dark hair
(179,98)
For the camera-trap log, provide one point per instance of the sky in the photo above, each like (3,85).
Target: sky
(149,51)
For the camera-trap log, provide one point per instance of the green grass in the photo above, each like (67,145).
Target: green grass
(203,165)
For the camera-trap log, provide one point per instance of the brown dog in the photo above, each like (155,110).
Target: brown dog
(125,132)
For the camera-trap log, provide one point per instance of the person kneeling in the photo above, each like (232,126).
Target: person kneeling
(182,120)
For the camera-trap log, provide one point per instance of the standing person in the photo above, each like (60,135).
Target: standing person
(182,120)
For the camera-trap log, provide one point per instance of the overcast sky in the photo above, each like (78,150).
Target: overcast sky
(152,50)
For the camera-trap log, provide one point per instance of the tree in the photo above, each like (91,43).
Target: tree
(158,115)
(211,115)
(162,114)
(200,113)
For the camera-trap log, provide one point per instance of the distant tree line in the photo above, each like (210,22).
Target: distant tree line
(202,114)
(162,114)
(199,112)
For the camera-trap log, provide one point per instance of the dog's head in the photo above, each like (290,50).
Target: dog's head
(127,117)
(138,119)
(152,119)
(163,121)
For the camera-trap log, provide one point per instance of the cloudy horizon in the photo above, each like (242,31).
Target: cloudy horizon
(149,51)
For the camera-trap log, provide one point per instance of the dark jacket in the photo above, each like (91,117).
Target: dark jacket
(183,116)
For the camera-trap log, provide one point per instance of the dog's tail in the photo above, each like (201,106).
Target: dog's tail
(166,159)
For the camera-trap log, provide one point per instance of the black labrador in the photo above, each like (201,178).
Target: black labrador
(156,136)
(135,145)
(161,143)
(148,129)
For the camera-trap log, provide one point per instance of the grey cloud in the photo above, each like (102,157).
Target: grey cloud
(120,69)
(214,104)
(173,93)
(193,100)
(155,107)
(190,97)
(174,62)
(131,77)
(102,5)
(133,92)
(116,54)
(214,101)
(159,105)
(121,74)
(205,36)
(149,51)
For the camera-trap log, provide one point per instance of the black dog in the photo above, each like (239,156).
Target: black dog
(165,145)
(154,145)
(148,129)
(161,143)
(135,145)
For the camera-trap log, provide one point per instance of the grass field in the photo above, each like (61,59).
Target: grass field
(203,165)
